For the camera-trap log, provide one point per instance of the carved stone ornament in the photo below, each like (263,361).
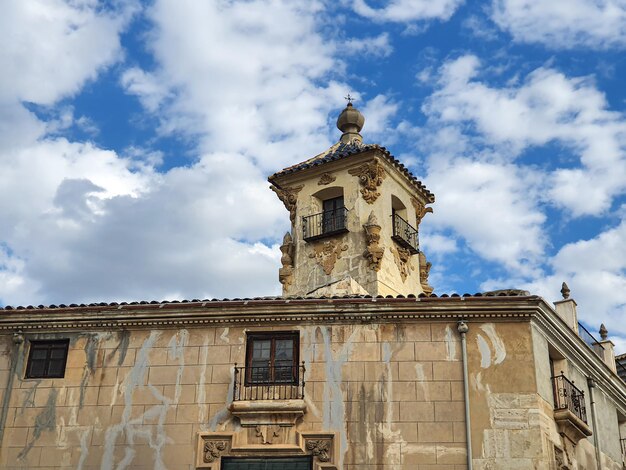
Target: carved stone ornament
(374,253)
(371,175)
(289,197)
(560,458)
(420,210)
(403,261)
(325,179)
(424,271)
(267,433)
(213,450)
(320,448)
(265,440)
(328,253)
(285,274)
(565,291)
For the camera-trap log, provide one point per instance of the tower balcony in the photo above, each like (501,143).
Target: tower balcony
(324,224)
(404,234)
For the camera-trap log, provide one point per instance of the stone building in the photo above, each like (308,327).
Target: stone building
(357,366)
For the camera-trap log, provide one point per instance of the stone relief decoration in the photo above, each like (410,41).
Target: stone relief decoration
(289,197)
(328,253)
(424,271)
(285,274)
(560,458)
(403,261)
(325,179)
(371,175)
(420,210)
(267,433)
(374,253)
(213,446)
(213,450)
(320,448)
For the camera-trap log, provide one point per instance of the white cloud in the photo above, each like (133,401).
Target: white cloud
(488,205)
(547,107)
(378,113)
(179,237)
(438,244)
(377,46)
(51,47)
(257,88)
(595,271)
(404,11)
(150,91)
(564,24)
(91,224)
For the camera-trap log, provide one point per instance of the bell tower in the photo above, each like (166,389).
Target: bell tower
(355,213)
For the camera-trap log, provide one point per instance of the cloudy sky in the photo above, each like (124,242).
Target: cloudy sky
(136,138)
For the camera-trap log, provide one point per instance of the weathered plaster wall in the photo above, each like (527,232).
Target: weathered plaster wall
(136,399)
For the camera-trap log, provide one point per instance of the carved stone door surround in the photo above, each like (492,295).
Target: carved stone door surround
(212,446)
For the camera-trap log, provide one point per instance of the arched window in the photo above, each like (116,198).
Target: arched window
(331,220)
(403,232)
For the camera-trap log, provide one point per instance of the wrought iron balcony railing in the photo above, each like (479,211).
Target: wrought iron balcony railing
(568,397)
(324,224)
(405,234)
(269,383)
(591,341)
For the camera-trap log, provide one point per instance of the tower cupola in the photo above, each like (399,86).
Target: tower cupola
(355,212)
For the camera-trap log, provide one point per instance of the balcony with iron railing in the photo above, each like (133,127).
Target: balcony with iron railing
(264,395)
(404,234)
(570,412)
(568,396)
(324,224)
(269,383)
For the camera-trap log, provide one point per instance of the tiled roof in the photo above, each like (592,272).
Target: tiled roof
(343,150)
(265,299)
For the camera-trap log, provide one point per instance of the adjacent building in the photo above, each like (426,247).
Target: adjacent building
(358,365)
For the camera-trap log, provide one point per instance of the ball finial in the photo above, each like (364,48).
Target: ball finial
(350,122)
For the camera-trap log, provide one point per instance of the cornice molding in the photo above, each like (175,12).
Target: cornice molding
(310,311)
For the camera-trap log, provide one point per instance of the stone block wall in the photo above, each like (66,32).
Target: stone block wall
(391,394)
(137,399)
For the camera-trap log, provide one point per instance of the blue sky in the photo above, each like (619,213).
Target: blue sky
(136,139)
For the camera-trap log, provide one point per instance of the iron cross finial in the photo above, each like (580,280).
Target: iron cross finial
(349,98)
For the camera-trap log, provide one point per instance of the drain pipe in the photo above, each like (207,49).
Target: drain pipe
(18,339)
(463,329)
(592,385)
